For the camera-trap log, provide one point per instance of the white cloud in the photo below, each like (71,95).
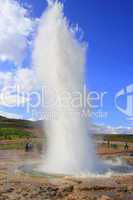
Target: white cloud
(11,115)
(24,79)
(15,27)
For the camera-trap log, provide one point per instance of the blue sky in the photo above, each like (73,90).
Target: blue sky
(108,30)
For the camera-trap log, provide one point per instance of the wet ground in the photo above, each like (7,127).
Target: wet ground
(15,184)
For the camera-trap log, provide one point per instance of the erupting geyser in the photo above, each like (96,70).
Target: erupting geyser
(60,59)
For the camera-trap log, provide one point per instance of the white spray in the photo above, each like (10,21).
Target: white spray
(60,59)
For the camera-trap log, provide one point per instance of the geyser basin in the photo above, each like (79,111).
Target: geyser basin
(116,167)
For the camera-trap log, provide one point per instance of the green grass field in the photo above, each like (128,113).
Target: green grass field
(13,133)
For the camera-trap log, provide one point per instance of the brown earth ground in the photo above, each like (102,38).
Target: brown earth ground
(16,185)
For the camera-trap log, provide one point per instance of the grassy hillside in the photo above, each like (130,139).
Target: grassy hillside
(15,128)
(13,133)
(5,122)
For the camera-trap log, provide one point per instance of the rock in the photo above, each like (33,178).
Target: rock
(68,188)
(104,197)
(64,191)
(24,193)
(4,197)
(70,197)
(130,188)
(8,190)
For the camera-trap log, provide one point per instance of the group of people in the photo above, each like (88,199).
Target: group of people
(28,147)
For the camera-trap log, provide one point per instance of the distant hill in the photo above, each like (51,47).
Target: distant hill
(18,122)
(34,128)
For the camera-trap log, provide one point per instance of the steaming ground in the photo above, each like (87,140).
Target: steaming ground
(117,167)
(59,59)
